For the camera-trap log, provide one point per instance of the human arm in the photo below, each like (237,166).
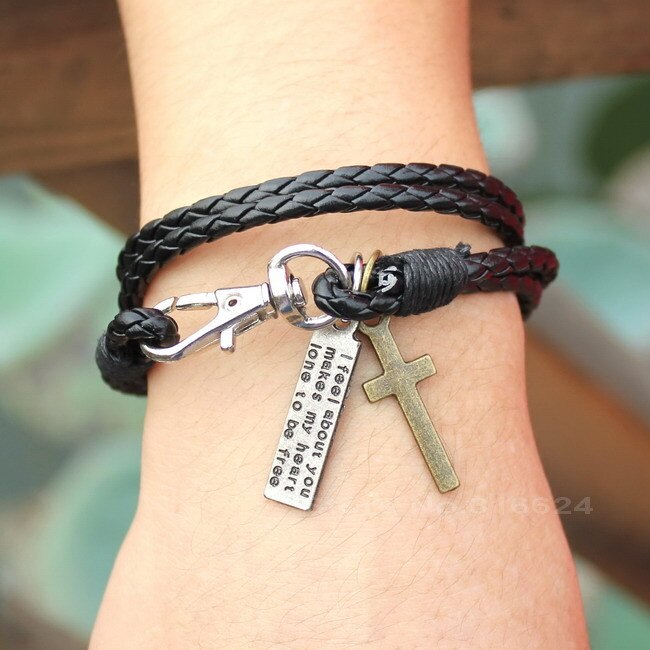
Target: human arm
(231,93)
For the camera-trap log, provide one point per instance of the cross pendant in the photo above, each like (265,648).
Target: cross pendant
(400,379)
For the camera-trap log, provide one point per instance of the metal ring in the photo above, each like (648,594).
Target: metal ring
(367,271)
(286,291)
(357,274)
(357,280)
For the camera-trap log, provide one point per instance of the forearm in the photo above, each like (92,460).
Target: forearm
(232,93)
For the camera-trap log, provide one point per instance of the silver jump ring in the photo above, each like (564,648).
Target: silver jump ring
(286,291)
(357,274)
(357,281)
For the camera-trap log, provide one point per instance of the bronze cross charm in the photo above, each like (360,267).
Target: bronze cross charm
(400,379)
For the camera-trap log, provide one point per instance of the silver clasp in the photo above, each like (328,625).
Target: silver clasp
(239,310)
(286,291)
(242,308)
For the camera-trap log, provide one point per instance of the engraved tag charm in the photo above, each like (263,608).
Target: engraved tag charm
(315,409)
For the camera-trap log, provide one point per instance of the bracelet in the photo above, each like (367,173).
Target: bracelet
(418,187)
(407,283)
(396,284)
(422,280)
(358,297)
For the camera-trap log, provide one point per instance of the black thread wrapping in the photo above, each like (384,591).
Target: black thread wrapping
(431,277)
(410,283)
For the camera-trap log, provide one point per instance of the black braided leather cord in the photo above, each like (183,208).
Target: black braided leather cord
(118,355)
(422,280)
(402,284)
(445,189)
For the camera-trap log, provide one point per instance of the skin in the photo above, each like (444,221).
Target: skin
(229,94)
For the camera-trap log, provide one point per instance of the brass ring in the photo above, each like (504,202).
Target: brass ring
(365,279)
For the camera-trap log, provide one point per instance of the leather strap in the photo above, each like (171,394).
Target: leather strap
(402,284)
(418,187)
(422,280)
(118,355)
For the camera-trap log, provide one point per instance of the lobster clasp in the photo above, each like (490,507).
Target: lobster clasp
(239,309)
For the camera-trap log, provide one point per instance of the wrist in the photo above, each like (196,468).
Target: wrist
(381,560)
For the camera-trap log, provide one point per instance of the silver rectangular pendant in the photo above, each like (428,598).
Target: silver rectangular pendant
(314,412)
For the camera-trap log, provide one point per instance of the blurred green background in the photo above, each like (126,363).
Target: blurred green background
(578,153)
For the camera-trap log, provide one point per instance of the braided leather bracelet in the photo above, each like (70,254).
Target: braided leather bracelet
(402,284)
(355,298)
(418,187)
